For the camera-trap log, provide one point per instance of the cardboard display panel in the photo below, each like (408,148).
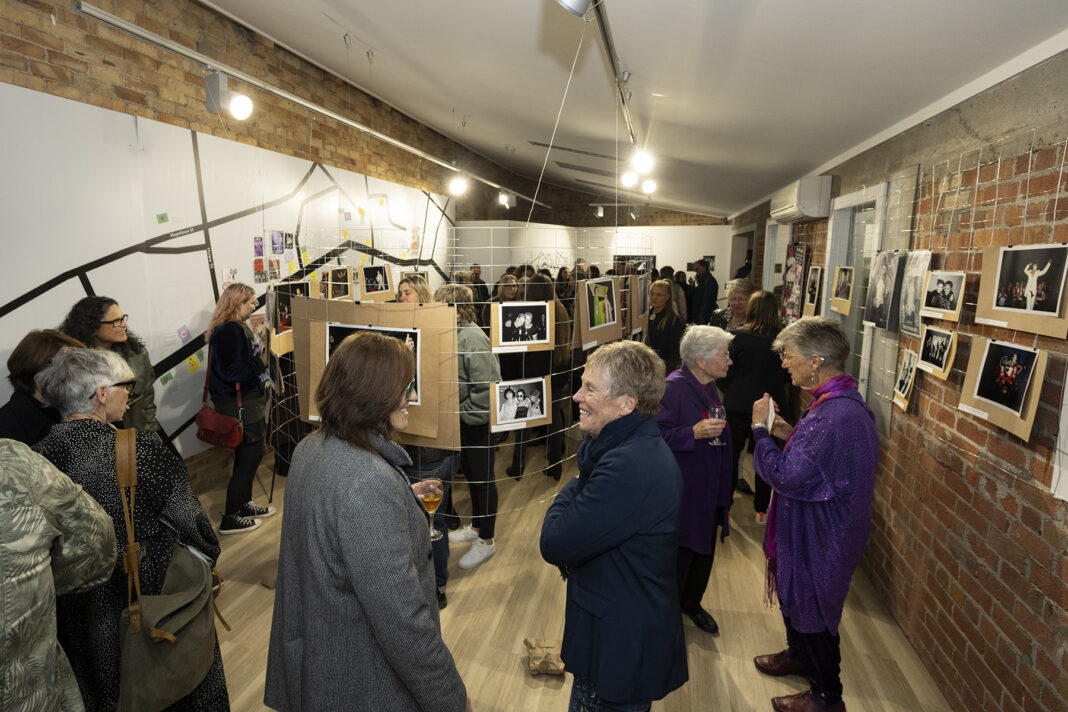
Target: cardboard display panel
(597,319)
(906,377)
(997,284)
(375,283)
(842,296)
(522,326)
(938,348)
(639,288)
(813,291)
(436,421)
(943,295)
(520,404)
(996,373)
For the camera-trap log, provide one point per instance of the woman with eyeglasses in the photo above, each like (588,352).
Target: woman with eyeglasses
(91,389)
(237,379)
(99,323)
(701,442)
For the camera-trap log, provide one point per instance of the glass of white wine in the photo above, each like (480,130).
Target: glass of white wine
(431,502)
(717,412)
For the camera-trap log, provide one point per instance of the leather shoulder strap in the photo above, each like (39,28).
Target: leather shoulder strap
(126,476)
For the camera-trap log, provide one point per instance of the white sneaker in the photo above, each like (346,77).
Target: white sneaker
(464,533)
(479,553)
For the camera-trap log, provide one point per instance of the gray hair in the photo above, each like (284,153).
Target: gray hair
(75,374)
(699,341)
(816,335)
(742,285)
(631,369)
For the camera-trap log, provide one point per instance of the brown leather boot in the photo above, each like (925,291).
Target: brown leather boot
(802,702)
(779,664)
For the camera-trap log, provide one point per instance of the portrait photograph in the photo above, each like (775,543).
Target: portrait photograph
(600,303)
(906,375)
(916,265)
(281,299)
(523,323)
(812,285)
(520,401)
(882,281)
(1005,375)
(1030,279)
(842,293)
(943,295)
(375,279)
(937,347)
(336,333)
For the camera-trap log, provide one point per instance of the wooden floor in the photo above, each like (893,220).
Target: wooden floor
(517,595)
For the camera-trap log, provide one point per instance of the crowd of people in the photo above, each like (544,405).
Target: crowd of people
(665,421)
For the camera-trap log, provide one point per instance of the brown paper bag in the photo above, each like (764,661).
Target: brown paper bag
(544,656)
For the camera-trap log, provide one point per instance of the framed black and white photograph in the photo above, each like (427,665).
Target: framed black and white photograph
(523,322)
(1030,279)
(906,376)
(882,282)
(336,333)
(813,290)
(1005,375)
(520,404)
(943,294)
(600,303)
(937,350)
(376,283)
(842,294)
(916,265)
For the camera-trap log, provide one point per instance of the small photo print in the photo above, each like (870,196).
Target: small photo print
(916,265)
(642,297)
(259,275)
(906,374)
(812,285)
(274,268)
(943,291)
(257,246)
(340,287)
(524,323)
(1005,375)
(282,314)
(1031,279)
(519,401)
(881,283)
(278,242)
(600,303)
(336,333)
(935,347)
(843,283)
(375,279)
(425,276)
(289,240)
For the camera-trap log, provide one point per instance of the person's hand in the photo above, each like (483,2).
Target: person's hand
(425,487)
(708,428)
(761,408)
(468,707)
(781,429)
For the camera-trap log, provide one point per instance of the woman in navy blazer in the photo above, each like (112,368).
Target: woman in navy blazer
(613,533)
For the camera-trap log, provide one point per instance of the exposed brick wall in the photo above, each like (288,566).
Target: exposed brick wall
(967,540)
(48,47)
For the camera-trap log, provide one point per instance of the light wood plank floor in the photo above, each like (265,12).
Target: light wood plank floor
(516,595)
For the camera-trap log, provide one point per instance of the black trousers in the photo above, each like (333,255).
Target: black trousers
(554,440)
(476,459)
(822,656)
(693,573)
(741,435)
(247,458)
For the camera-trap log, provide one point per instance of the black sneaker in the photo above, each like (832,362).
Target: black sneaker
(443,600)
(251,510)
(236,524)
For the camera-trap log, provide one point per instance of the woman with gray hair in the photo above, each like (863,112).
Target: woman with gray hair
(701,442)
(91,389)
(732,316)
(820,513)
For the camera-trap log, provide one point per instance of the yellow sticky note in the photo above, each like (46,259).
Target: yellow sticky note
(367,241)
(193,362)
(345,232)
(304,256)
(404,254)
(381,202)
(361,211)
(292,266)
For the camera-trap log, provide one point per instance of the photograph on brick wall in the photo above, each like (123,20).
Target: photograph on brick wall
(336,333)
(1030,278)
(916,265)
(600,303)
(1005,375)
(812,291)
(906,376)
(793,284)
(882,283)
(842,294)
(937,350)
(943,294)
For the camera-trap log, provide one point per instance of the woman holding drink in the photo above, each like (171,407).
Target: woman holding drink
(355,616)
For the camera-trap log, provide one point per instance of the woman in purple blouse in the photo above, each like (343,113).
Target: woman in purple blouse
(820,514)
(702,447)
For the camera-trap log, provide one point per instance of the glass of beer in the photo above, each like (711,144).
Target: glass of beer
(431,502)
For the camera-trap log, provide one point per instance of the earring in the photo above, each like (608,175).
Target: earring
(813,379)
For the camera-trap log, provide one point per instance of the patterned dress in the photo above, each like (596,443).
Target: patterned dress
(165,509)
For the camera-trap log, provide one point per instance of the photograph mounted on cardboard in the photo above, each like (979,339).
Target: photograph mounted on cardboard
(813,289)
(521,403)
(425,276)
(523,322)
(906,376)
(336,283)
(1030,279)
(600,303)
(639,287)
(376,283)
(943,294)
(279,304)
(1005,375)
(842,294)
(882,282)
(336,333)
(916,265)
(793,284)
(938,347)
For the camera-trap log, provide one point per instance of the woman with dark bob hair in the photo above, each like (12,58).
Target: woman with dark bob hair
(25,417)
(99,323)
(91,388)
(820,513)
(355,612)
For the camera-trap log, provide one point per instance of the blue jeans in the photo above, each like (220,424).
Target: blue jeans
(584,699)
(444,471)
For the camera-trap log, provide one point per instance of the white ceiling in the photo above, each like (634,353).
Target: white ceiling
(735,98)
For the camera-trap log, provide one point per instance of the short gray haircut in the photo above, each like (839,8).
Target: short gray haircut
(816,335)
(742,285)
(632,369)
(75,374)
(699,341)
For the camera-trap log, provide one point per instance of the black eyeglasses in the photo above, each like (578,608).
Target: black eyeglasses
(128,385)
(117,322)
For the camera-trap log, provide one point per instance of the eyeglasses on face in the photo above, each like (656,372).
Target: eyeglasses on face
(410,390)
(121,321)
(128,385)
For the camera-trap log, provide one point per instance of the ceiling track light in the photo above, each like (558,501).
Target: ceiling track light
(641,162)
(218,96)
(635,211)
(599,211)
(648,186)
(458,186)
(626,76)
(506,199)
(576,7)
(629,179)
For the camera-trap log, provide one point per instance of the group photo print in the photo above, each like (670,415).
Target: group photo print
(523,323)
(520,401)
(943,294)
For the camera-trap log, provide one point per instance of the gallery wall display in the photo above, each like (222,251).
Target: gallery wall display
(337,333)
(938,348)
(813,291)
(1003,384)
(793,284)
(596,313)
(943,295)
(376,283)
(882,287)
(842,294)
(906,376)
(917,263)
(278,306)
(1022,287)
(521,326)
(520,404)
(639,287)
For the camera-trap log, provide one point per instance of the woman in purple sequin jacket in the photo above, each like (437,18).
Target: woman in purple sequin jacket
(820,516)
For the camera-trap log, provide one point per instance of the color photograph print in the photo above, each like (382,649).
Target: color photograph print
(520,401)
(336,333)
(283,293)
(793,284)
(278,242)
(335,284)
(1005,375)
(881,283)
(523,323)
(906,375)
(1030,279)
(375,279)
(600,303)
(916,265)
(943,294)
(935,347)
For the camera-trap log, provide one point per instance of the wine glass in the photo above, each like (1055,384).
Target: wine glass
(717,412)
(431,502)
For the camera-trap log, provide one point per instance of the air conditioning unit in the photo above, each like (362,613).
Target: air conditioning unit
(807,199)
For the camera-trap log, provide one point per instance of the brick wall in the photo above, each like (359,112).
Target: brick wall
(967,540)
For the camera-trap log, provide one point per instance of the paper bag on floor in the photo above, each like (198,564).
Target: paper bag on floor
(544,656)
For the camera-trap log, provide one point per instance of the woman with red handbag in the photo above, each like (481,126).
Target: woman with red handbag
(237,373)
